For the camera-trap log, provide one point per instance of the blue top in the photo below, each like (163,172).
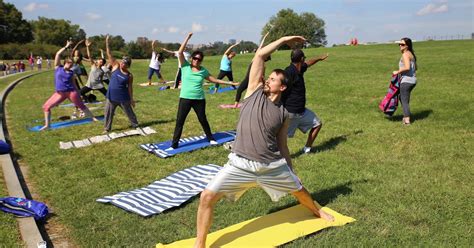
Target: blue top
(63,79)
(226,63)
(118,87)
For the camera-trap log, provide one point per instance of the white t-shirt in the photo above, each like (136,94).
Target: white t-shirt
(154,63)
(186,55)
(39,61)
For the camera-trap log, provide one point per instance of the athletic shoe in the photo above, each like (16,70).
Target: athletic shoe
(213,142)
(169,149)
(306,149)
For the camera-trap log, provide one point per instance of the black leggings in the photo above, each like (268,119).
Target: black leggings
(223,74)
(405,91)
(199,107)
(243,86)
(86,89)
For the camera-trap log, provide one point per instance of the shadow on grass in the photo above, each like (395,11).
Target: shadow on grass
(414,116)
(328,144)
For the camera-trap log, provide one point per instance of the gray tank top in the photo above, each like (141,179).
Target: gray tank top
(410,75)
(259,123)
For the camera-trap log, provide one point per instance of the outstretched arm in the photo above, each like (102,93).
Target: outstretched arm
(166,50)
(75,47)
(88,43)
(315,60)
(258,64)
(57,58)
(263,41)
(218,81)
(182,47)
(230,48)
(107,50)
(102,53)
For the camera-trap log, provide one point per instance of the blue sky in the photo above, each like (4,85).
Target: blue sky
(221,20)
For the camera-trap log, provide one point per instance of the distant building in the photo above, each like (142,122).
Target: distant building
(142,39)
(472,36)
(232,41)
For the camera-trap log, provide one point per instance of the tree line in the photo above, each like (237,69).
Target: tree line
(44,36)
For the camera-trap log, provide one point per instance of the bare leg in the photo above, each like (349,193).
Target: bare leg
(312,135)
(204,216)
(306,200)
(47,120)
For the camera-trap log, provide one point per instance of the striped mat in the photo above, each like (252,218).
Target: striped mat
(166,193)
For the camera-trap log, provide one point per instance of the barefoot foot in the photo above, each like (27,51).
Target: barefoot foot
(325,215)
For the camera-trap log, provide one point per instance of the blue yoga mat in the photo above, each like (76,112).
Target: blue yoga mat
(63,124)
(164,87)
(221,90)
(187,144)
(72,104)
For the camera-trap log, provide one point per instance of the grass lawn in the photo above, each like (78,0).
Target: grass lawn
(405,185)
(9,234)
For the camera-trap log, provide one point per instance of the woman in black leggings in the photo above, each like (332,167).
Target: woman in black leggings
(192,94)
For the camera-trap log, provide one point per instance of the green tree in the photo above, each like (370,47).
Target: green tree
(13,28)
(56,31)
(287,22)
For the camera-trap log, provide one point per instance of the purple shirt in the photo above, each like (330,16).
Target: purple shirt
(63,79)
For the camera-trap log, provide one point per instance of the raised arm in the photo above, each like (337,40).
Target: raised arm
(153,45)
(75,47)
(182,47)
(57,58)
(107,51)
(315,60)
(102,53)
(258,64)
(263,41)
(230,48)
(166,50)
(88,43)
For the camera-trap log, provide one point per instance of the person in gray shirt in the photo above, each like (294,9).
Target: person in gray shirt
(260,155)
(94,81)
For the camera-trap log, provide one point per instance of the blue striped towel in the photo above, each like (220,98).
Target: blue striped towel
(166,193)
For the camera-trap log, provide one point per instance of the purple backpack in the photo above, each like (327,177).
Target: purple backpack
(389,103)
(23,207)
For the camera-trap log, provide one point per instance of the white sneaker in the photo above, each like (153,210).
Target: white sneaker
(213,142)
(306,149)
(228,145)
(169,149)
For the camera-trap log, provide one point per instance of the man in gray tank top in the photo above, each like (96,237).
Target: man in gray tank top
(260,155)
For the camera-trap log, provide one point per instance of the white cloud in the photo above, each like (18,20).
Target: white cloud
(173,29)
(196,27)
(108,25)
(433,8)
(35,6)
(93,16)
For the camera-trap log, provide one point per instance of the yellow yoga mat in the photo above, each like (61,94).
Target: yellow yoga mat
(268,231)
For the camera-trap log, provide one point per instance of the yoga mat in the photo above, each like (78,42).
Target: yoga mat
(72,104)
(166,193)
(269,230)
(222,90)
(63,124)
(230,106)
(106,137)
(163,150)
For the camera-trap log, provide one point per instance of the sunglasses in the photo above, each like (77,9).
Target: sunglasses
(401,44)
(197,58)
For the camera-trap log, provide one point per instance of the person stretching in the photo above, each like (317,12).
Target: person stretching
(155,64)
(120,92)
(226,65)
(192,94)
(294,99)
(94,81)
(260,154)
(64,88)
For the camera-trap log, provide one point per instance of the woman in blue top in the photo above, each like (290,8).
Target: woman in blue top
(192,94)
(226,65)
(407,70)
(120,92)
